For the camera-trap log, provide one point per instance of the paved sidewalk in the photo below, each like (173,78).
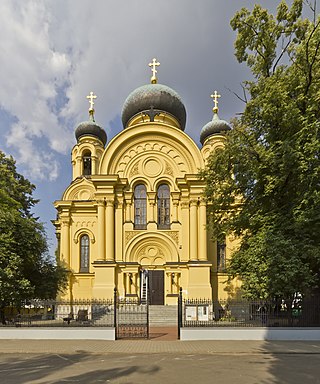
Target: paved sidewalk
(159,347)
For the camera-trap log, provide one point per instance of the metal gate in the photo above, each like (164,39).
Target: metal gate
(131,319)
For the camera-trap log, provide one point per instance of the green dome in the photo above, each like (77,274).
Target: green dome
(213,127)
(156,96)
(90,128)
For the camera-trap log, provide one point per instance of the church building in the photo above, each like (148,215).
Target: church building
(134,215)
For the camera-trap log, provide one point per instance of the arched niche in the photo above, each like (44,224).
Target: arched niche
(83,231)
(151,249)
(81,189)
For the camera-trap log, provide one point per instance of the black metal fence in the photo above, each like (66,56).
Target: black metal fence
(49,313)
(128,316)
(255,313)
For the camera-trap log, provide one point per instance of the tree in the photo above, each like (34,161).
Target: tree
(26,271)
(265,185)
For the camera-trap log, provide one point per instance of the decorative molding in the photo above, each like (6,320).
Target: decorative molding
(81,190)
(83,231)
(152,255)
(173,234)
(134,170)
(203,202)
(130,235)
(168,170)
(109,203)
(85,224)
(153,146)
(65,221)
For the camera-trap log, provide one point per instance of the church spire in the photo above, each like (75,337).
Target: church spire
(215,96)
(153,66)
(91,97)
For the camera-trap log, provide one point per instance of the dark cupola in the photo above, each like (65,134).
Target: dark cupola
(216,125)
(152,100)
(90,128)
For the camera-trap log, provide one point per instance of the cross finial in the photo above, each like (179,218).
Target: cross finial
(215,97)
(91,97)
(154,64)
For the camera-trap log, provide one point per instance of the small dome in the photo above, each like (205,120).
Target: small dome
(157,96)
(90,128)
(214,126)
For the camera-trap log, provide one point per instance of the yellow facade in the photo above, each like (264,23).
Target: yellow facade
(109,237)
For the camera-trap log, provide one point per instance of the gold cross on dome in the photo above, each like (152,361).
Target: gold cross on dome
(154,64)
(91,97)
(215,97)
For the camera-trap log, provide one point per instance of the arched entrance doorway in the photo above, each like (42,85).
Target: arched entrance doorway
(154,252)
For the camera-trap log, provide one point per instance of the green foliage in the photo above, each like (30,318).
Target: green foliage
(264,186)
(25,270)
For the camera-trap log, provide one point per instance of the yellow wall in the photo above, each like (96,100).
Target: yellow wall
(101,206)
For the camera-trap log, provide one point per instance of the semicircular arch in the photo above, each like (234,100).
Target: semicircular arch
(158,139)
(151,249)
(83,231)
(80,189)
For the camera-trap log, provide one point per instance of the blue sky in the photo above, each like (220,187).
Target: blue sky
(54,52)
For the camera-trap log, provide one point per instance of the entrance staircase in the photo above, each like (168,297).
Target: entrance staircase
(163,315)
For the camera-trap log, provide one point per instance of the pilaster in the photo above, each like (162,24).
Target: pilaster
(151,211)
(202,230)
(65,239)
(193,229)
(185,230)
(119,228)
(101,230)
(110,229)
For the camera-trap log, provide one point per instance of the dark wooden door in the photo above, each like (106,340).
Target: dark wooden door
(156,287)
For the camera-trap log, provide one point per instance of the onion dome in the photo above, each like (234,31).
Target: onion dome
(216,125)
(155,97)
(90,128)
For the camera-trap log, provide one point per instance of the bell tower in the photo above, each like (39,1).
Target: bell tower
(91,140)
(212,135)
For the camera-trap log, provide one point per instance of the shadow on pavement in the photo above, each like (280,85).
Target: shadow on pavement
(292,362)
(54,369)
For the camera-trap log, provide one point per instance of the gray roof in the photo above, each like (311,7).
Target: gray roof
(214,126)
(157,96)
(90,128)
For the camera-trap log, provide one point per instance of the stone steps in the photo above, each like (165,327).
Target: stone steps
(159,316)
(163,315)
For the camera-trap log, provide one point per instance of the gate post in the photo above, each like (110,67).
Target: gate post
(115,309)
(179,312)
(147,304)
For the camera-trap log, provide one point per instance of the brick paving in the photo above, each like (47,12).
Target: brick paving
(163,333)
(159,346)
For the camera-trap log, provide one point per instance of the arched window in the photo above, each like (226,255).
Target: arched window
(163,206)
(86,163)
(84,253)
(140,207)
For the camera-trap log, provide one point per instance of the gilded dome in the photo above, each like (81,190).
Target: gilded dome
(154,96)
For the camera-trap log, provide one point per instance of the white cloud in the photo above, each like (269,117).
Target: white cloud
(54,52)
(31,74)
